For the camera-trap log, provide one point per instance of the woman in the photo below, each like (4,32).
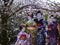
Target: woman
(31,28)
(41,24)
(52,33)
(22,37)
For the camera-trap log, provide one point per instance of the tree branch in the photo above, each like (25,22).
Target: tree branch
(48,9)
(35,7)
(10,3)
(5,2)
(23,7)
(16,7)
(20,9)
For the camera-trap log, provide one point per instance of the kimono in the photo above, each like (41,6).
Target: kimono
(20,41)
(41,24)
(32,30)
(23,42)
(40,32)
(54,23)
(53,20)
(52,33)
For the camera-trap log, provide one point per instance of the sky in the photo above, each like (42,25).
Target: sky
(53,0)
(56,0)
(45,0)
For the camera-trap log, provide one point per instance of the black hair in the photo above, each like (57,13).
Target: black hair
(31,15)
(51,16)
(20,27)
(41,21)
(39,12)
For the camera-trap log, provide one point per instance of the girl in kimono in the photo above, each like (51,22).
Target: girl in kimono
(22,37)
(53,20)
(31,28)
(52,33)
(54,30)
(41,24)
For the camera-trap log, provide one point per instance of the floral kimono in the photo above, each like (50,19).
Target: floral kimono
(40,32)
(31,29)
(23,42)
(52,33)
(22,38)
(41,24)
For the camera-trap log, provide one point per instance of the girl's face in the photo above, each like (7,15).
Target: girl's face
(30,14)
(39,16)
(23,29)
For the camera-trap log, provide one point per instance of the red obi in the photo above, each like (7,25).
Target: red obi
(49,27)
(23,35)
(39,24)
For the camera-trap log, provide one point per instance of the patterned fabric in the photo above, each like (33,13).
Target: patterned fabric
(33,37)
(40,33)
(23,42)
(40,37)
(53,34)
(53,41)
(33,32)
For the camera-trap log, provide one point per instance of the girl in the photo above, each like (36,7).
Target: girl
(41,24)
(22,37)
(52,33)
(31,28)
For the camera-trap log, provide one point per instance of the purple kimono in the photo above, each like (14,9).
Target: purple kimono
(53,33)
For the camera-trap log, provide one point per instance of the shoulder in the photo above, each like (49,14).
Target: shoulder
(20,33)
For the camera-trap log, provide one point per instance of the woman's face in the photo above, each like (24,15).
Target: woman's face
(23,29)
(39,15)
(30,13)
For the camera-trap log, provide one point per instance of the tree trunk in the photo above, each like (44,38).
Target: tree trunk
(4,39)
(59,33)
(58,28)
